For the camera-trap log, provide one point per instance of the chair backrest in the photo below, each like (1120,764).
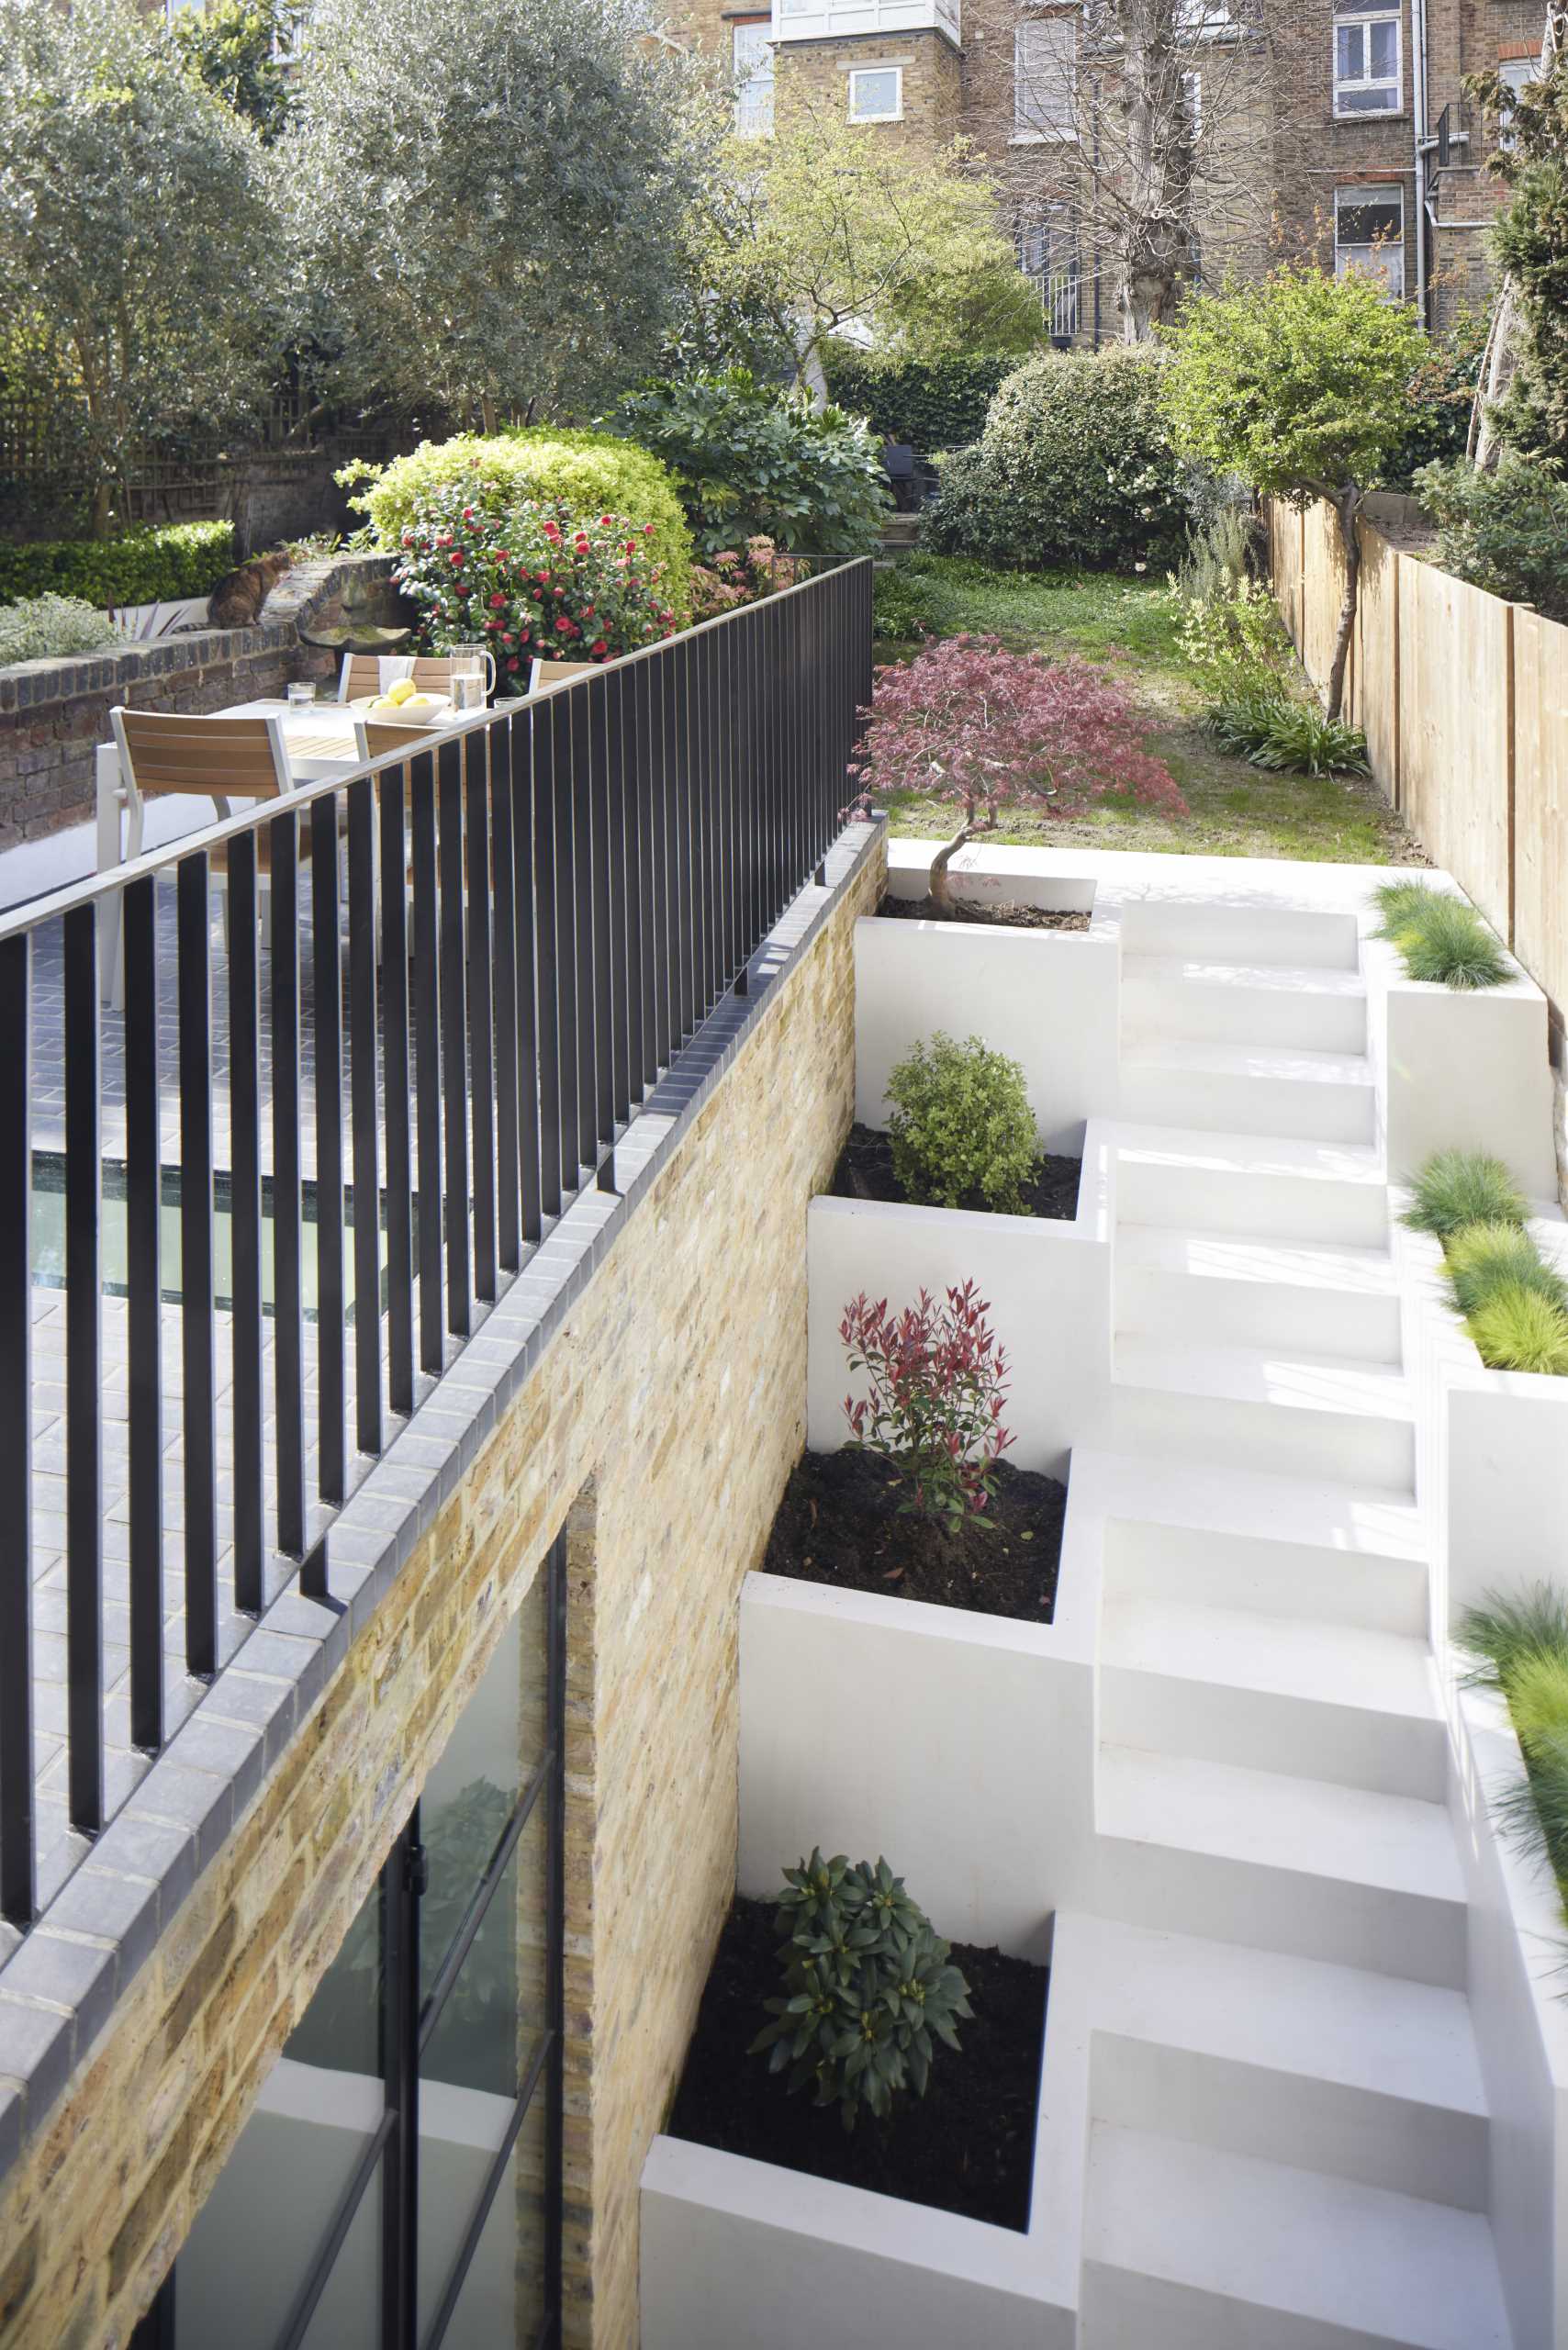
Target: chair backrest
(549,673)
(374,737)
(217,758)
(362,673)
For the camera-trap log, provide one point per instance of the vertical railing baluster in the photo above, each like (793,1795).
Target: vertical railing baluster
(453,1042)
(608,908)
(84,1374)
(481,1005)
(539,753)
(682,770)
(568,1019)
(326,982)
(394,787)
(627,876)
(509,1178)
(18,1855)
(427,1061)
(144,1210)
(245,1219)
(735,944)
(193,924)
(365,1140)
(644,837)
(288,1303)
(535,1154)
(656,719)
(584,836)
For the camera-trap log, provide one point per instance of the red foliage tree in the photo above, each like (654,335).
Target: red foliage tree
(969,723)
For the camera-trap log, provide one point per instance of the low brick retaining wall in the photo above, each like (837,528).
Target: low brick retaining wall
(53,712)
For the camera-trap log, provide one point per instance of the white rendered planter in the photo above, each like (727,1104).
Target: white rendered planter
(1464,1070)
(1494,1458)
(745,2255)
(1047,1281)
(1051,1000)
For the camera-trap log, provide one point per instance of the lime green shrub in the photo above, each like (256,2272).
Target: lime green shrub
(1441,938)
(158,566)
(962,1131)
(591,473)
(1483,1258)
(1517,1328)
(1520,1647)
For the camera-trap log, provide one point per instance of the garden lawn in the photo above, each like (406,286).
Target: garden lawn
(1128,625)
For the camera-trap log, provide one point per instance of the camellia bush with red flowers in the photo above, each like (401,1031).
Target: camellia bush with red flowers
(937,1382)
(534,582)
(969,723)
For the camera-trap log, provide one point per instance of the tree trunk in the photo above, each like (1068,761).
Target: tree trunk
(939,887)
(1154,241)
(1348,507)
(487,414)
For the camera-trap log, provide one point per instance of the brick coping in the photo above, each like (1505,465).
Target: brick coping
(63,1982)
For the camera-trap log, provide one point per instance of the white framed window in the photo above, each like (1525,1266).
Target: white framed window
(876,94)
(1369,234)
(1044,77)
(1367,60)
(1047,253)
(752,63)
(1516,73)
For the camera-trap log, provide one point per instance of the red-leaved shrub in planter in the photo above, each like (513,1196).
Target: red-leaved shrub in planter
(937,1381)
(969,723)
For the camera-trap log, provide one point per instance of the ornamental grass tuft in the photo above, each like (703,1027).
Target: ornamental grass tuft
(1518,1329)
(1519,1644)
(1481,1259)
(1460,1187)
(1442,939)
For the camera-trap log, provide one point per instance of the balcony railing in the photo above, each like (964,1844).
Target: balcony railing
(374,1041)
(828,19)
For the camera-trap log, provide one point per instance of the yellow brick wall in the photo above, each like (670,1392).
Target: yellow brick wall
(661,1422)
(819,71)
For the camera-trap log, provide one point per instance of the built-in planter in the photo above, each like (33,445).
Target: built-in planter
(736,2251)
(1492,1465)
(1464,1070)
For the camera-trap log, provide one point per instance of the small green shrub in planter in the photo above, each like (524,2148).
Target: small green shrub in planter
(1442,939)
(937,1382)
(869,1988)
(1520,1645)
(157,565)
(961,1126)
(1460,1187)
(1517,1328)
(1482,1259)
(52,628)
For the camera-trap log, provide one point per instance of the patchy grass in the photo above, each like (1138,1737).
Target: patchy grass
(1237,810)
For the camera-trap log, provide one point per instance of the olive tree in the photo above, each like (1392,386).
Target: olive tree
(488,200)
(1301,384)
(136,234)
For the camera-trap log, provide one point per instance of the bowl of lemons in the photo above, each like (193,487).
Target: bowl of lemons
(403,705)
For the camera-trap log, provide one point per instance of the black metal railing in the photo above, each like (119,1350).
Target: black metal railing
(448,978)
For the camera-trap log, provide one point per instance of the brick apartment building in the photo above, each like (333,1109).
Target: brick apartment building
(1334,127)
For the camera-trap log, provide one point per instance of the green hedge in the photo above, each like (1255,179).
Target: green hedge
(152,566)
(933,404)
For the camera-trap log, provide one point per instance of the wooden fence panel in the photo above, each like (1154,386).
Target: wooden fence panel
(1325,584)
(1541,805)
(1373,704)
(1284,564)
(1456,729)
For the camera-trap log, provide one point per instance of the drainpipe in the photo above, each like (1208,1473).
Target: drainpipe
(1418,113)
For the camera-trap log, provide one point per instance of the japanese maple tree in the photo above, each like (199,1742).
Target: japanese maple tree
(969,723)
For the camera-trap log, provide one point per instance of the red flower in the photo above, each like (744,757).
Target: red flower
(606,519)
(647,530)
(456,559)
(496,603)
(599,650)
(552,529)
(512,663)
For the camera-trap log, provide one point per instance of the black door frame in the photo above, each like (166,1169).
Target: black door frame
(407,2023)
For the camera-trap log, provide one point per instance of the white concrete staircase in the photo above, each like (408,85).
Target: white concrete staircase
(1288,2140)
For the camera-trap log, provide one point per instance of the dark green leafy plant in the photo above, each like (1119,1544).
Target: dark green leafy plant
(157,565)
(1441,394)
(869,1988)
(1288,736)
(1505,532)
(930,403)
(1075,466)
(961,1128)
(231,45)
(1460,1187)
(1441,938)
(755,461)
(1530,243)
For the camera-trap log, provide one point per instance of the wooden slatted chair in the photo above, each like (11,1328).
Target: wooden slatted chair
(220,759)
(362,673)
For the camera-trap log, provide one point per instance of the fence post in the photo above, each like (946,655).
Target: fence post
(1511,736)
(1396,671)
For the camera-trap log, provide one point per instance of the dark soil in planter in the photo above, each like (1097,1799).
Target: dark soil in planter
(864,1171)
(967,2146)
(996,914)
(839,1523)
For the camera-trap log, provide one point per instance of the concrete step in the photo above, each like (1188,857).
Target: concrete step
(1237,1540)
(1308,1416)
(1354,1877)
(1287,2059)
(1299,937)
(1191,2249)
(1242,1185)
(1248,1089)
(1272,1692)
(1214,1290)
(1245,1003)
